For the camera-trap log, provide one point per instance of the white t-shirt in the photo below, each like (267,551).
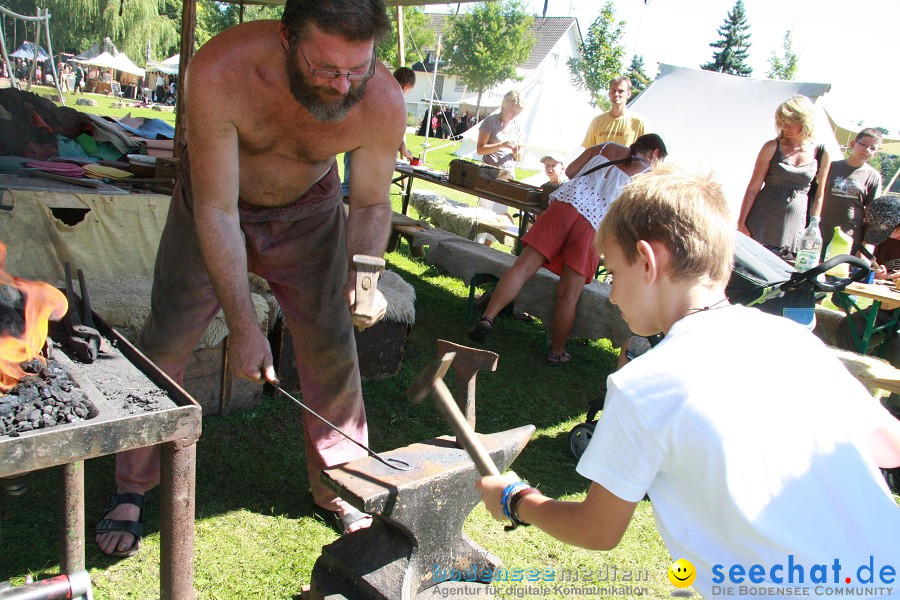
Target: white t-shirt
(592,194)
(747,434)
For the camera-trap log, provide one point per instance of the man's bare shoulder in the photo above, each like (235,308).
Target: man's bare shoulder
(232,56)
(384,107)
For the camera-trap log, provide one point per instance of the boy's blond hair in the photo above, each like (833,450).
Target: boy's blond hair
(684,211)
(796,110)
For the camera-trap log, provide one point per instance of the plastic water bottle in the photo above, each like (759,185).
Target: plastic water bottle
(810,247)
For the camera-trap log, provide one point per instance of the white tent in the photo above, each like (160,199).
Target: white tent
(718,121)
(119,62)
(168,66)
(554,121)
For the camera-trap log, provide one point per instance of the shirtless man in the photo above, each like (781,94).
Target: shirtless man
(269,106)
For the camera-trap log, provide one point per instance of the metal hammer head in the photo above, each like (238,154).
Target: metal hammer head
(424,383)
(368,270)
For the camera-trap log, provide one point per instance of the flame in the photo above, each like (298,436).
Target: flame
(42,302)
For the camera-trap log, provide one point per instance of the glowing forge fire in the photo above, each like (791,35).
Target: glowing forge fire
(20,340)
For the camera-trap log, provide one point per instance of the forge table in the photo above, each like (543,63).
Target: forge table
(108,430)
(413,173)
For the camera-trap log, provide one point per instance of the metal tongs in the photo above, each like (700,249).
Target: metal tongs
(82,339)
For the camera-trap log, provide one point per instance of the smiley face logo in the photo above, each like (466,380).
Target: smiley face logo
(682,573)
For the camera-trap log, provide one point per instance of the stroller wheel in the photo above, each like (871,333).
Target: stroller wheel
(579,438)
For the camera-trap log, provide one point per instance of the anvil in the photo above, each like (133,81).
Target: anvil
(417,520)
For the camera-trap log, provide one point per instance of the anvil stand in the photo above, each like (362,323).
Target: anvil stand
(418,518)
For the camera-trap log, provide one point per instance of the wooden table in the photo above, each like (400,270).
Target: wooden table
(411,173)
(884,297)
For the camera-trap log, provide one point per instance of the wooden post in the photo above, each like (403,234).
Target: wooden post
(401,42)
(188,25)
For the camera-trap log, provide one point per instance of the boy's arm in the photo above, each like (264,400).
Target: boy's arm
(597,523)
(884,442)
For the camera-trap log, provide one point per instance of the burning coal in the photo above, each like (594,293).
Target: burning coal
(25,309)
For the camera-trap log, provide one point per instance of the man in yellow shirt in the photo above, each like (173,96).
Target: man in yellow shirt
(617,125)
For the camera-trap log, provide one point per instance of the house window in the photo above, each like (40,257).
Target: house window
(460,85)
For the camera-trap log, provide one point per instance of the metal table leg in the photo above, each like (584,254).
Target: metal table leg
(176,522)
(407,194)
(71,512)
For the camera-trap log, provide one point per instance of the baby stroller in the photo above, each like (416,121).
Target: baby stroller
(759,278)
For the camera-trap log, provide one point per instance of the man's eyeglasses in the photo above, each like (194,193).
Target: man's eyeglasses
(323,74)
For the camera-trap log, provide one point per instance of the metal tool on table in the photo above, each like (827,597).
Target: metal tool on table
(368,270)
(431,381)
(394,463)
(82,337)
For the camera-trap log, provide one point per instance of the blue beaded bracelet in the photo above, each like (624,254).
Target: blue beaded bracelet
(508,492)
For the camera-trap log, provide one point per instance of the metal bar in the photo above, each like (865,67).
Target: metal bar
(71,510)
(407,194)
(176,521)
(50,52)
(12,73)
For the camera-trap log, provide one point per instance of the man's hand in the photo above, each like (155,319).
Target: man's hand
(251,357)
(492,487)
(378,302)
(407,154)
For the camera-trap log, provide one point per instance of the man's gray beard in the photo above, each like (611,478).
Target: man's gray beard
(309,98)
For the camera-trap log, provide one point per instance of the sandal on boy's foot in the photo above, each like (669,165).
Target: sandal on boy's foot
(554,360)
(350,521)
(135,528)
(481,330)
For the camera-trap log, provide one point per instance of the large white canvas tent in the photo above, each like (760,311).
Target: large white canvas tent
(718,121)
(554,121)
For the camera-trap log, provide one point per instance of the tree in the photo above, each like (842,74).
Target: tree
(487,43)
(639,79)
(416,33)
(733,44)
(600,55)
(783,67)
(215,17)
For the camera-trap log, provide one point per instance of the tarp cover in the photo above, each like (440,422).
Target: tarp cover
(712,120)
(26,50)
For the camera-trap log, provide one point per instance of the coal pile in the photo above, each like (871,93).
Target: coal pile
(45,397)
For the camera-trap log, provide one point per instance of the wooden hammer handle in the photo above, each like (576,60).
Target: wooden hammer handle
(464,432)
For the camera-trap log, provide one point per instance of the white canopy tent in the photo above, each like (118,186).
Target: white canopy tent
(712,120)
(119,62)
(168,66)
(554,120)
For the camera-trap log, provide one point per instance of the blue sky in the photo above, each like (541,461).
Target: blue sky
(848,45)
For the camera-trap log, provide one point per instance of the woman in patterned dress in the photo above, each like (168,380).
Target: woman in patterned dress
(562,238)
(774,210)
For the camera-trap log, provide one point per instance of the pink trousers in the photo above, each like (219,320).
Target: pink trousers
(300,251)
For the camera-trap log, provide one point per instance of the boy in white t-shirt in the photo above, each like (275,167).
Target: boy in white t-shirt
(759,451)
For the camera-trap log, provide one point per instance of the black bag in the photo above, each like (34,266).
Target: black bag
(814,184)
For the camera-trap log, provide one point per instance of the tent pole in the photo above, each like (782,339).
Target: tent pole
(437,58)
(12,74)
(401,42)
(188,26)
(37,44)
(52,62)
